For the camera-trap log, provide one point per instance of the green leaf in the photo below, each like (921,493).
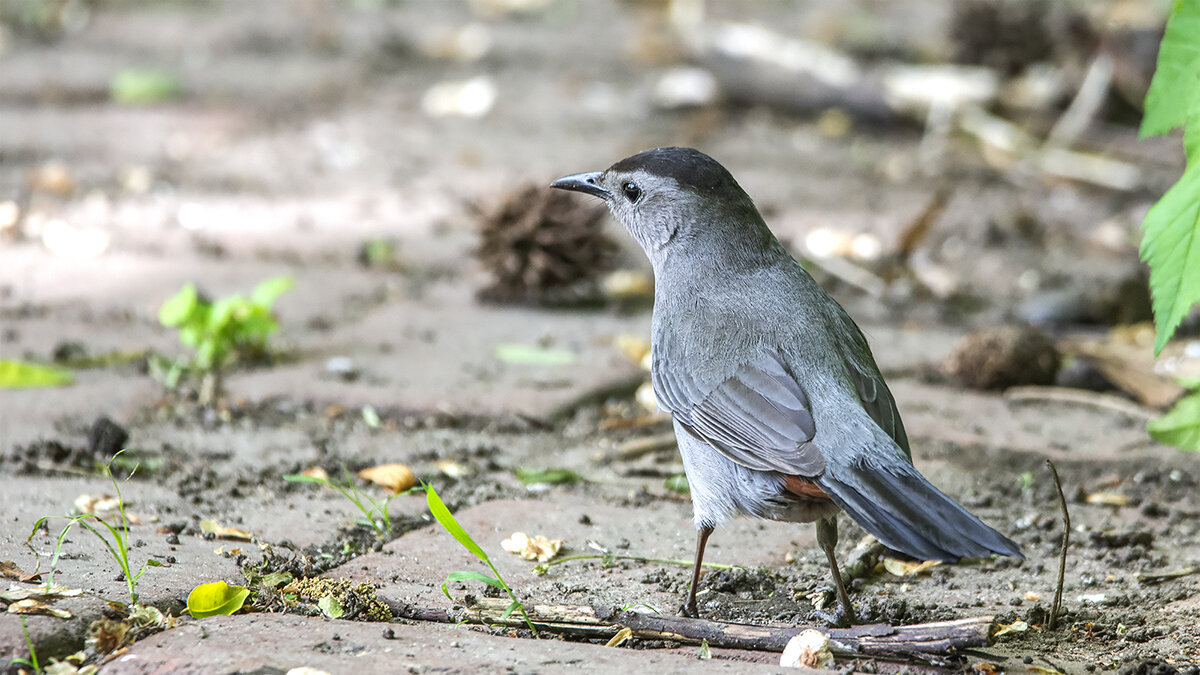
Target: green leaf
(192,334)
(179,307)
(224,311)
(216,598)
(301,478)
(474,576)
(1173,99)
(207,354)
(1191,142)
(438,508)
(529,355)
(331,607)
(275,579)
(266,293)
(678,483)
(1171,247)
(550,476)
(24,375)
(1180,426)
(512,606)
(143,85)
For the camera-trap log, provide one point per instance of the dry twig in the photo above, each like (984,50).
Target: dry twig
(921,641)
(1062,556)
(1081,397)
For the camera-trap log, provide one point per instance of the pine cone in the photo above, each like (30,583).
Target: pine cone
(544,246)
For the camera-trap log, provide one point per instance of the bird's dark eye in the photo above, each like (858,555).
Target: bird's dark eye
(632,191)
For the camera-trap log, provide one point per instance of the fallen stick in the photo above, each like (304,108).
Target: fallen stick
(1080,397)
(1062,555)
(920,641)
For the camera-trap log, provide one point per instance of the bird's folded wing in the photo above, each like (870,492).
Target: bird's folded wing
(759,417)
(878,402)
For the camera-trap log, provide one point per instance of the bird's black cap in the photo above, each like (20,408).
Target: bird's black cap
(690,168)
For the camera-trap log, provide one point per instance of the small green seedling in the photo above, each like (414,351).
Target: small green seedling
(224,331)
(442,514)
(375,511)
(32,661)
(114,537)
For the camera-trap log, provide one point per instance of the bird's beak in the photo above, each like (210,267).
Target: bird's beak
(587,183)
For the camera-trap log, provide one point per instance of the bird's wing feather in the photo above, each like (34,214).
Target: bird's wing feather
(758,417)
(878,402)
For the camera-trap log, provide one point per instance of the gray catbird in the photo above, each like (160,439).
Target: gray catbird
(778,406)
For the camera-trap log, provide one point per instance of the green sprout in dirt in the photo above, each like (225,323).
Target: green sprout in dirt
(220,332)
(114,537)
(375,511)
(442,514)
(1171,244)
(32,661)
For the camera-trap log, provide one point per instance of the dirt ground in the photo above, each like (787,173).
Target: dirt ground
(300,132)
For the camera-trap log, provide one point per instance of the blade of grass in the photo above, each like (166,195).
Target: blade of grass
(438,508)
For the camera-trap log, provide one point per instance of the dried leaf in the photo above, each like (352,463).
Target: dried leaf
(9,570)
(43,592)
(807,649)
(452,468)
(1041,670)
(1017,626)
(537,548)
(622,635)
(905,568)
(315,472)
(102,506)
(1108,499)
(628,284)
(33,606)
(633,347)
(394,477)
(221,532)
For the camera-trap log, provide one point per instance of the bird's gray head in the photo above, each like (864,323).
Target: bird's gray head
(670,198)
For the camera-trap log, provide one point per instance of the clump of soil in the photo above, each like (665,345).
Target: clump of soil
(1004,35)
(1006,356)
(356,601)
(542,246)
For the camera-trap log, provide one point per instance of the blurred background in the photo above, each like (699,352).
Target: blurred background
(958,164)
(260,238)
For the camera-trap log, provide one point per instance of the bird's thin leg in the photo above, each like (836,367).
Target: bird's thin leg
(689,607)
(827,536)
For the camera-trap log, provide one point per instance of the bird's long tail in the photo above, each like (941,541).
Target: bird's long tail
(905,512)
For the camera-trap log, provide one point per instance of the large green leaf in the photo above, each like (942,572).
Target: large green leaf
(1180,427)
(1173,99)
(22,375)
(216,598)
(1171,247)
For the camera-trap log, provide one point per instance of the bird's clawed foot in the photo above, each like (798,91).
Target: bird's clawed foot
(688,609)
(842,617)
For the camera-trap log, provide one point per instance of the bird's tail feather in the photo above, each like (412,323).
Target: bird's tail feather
(907,513)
